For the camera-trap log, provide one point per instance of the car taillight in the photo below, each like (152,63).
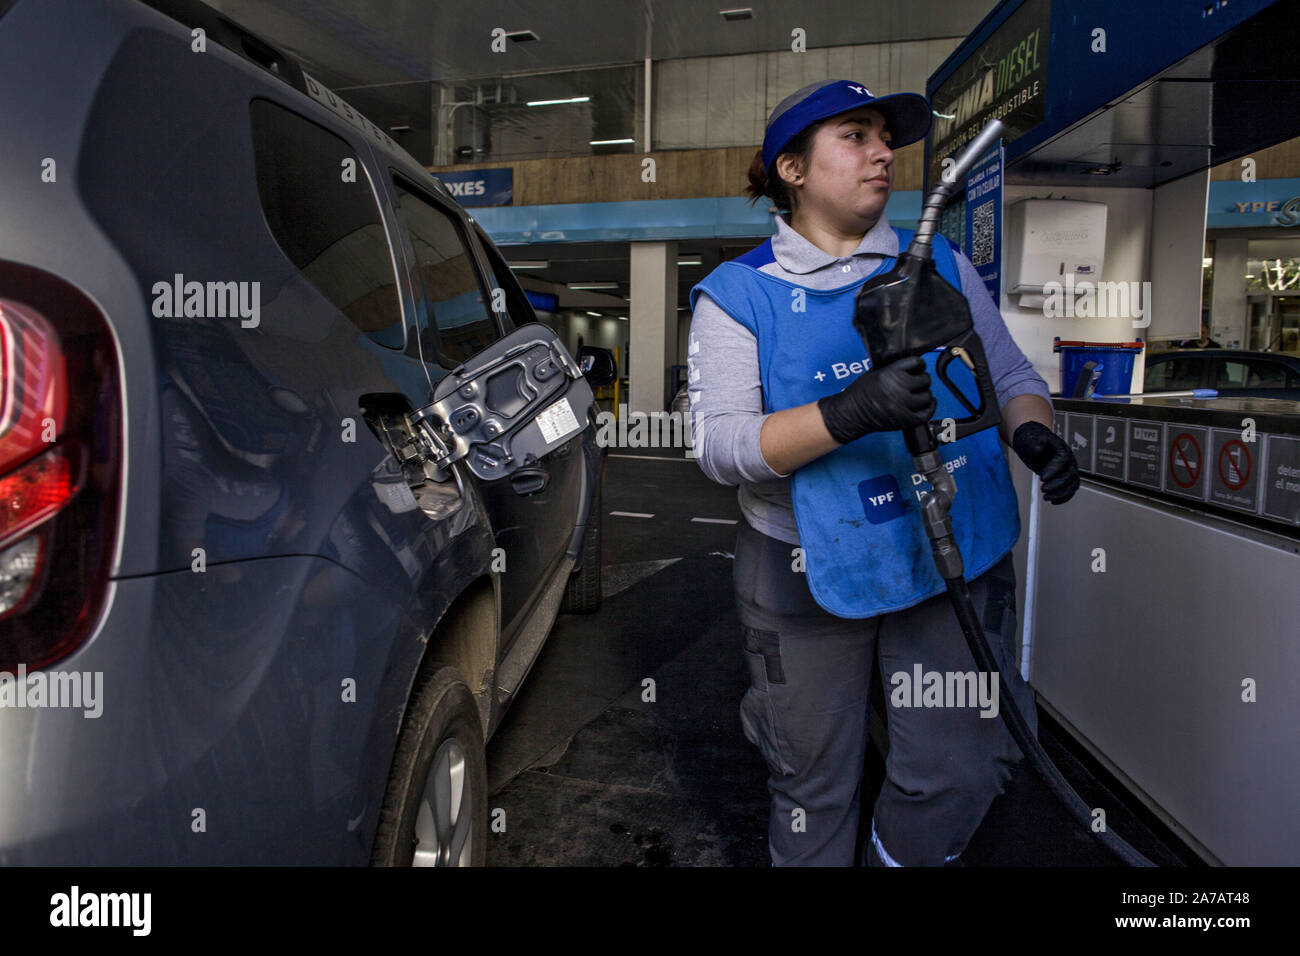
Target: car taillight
(60,464)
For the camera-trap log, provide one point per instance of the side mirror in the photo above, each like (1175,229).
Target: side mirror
(598,366)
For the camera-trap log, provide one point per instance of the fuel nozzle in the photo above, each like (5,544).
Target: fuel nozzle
(912,310)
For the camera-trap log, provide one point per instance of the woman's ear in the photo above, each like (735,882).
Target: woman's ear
(789,168)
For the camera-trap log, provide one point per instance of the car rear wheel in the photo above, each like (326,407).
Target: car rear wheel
(435,807)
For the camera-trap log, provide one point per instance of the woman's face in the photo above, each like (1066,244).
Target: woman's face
(849,173)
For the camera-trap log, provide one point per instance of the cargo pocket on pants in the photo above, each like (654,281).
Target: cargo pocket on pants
(1000,605)
(757,709)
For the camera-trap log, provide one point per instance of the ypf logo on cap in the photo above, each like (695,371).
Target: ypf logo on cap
(860,90)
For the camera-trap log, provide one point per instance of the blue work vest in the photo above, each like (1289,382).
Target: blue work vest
(856,508)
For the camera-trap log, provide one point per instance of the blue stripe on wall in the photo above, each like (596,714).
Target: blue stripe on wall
(734,217)
(649,220)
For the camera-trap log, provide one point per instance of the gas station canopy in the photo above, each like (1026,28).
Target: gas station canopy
(1116,93)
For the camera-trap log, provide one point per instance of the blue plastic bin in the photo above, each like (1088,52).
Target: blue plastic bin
(1115,360)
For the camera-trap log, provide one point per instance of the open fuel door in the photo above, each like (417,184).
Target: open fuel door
(505,409)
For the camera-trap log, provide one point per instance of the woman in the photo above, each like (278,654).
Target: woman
(832,565)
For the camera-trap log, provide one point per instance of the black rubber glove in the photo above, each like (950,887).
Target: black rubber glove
(1048,456)
(886,399)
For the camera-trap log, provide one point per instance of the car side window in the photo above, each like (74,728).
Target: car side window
(1229,374)
(325,222)
(1171,375)
(1264,374)
(518,310)
(454,304)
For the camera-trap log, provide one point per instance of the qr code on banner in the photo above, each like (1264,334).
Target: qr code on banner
(982,234)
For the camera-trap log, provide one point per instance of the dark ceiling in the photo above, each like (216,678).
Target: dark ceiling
(1238,94)
(354,43)
(364,47)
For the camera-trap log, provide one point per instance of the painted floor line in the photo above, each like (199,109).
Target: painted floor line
(630,514)
(714,520)
(651,457)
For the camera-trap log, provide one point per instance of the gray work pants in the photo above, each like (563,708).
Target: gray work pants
(806,710)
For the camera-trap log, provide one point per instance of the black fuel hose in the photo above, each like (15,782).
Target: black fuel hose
(959,592)
(887,309)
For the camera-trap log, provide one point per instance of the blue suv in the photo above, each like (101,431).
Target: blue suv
(294,483)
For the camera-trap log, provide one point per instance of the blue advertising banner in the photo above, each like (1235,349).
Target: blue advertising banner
(543,301)
(1005,76)
(1266,202)
(982,241)
(1038,65)
(480,187)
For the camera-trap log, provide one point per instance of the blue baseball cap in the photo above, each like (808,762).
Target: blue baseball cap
(907,114)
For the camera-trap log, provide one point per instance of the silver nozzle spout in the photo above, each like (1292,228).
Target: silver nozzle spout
(938,197)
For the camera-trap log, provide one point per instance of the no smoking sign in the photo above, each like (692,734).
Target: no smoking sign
(1185,461)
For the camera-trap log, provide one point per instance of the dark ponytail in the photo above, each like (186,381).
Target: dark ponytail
(776,188)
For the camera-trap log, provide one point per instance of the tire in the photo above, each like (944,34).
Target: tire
(582,593)
(441,742)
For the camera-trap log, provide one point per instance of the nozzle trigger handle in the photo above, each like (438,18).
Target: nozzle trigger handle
(970,350)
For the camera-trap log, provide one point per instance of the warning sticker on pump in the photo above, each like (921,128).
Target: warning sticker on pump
(1145,449)
(1185,461)
(557,422)
(1110,454)
(1234,482)
(1281,483)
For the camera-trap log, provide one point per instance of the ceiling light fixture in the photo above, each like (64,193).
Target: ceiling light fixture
(689,262)
(522,36)
(609,142)
(740,13)
(596,314)
(593,285)
(1109,169)
(571,99)
(529,264)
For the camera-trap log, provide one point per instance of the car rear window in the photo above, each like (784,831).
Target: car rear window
(1265,375)
(1174,374)
(322,210)
(453,297)
(518,311)
(1249,373)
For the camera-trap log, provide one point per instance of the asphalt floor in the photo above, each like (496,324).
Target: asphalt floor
(590,772)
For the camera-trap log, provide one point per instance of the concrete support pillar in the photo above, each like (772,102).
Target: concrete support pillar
(1228,296)
(653,318)
(1177,248)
